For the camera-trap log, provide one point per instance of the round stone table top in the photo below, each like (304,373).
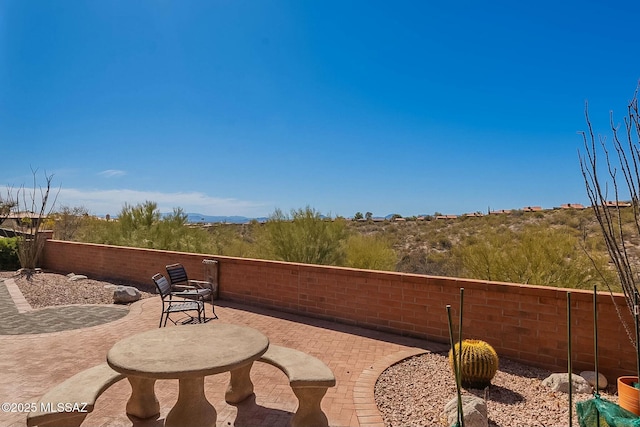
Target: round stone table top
(187,351)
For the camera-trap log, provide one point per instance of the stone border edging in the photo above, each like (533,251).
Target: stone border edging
(363,392)
(19,300)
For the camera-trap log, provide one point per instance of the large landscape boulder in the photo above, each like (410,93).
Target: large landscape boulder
(560,382)
(474,410)
(590,376)
(125,294)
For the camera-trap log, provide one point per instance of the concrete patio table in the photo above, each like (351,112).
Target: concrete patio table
(187,353)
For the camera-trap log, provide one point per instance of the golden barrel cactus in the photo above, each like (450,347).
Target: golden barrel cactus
(479,363)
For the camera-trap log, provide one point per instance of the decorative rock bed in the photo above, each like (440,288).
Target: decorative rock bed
(414,392)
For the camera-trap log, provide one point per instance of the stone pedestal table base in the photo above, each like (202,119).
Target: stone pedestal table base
(143,402)
(240,385)
(192,408)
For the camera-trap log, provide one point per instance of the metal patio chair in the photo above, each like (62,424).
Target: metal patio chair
(198,290)
(176,302)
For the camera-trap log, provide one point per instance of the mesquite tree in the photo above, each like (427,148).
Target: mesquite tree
(612,180)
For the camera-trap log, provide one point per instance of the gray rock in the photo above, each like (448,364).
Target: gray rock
(590,376)
(125,294)
(76,277)
(560,382)
(474,410)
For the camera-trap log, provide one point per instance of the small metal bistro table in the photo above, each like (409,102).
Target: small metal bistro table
(187,353)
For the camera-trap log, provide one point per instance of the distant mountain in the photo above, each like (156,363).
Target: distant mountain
(196,217)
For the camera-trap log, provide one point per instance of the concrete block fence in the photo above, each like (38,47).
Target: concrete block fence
(525,323)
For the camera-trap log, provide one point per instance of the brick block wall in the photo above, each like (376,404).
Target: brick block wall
(525,323)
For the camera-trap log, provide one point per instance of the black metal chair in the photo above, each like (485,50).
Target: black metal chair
(176,302)
(197,290)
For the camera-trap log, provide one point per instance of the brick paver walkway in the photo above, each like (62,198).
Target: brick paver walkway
(53,319)
(33,363)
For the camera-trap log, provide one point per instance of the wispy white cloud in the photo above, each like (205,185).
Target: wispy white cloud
(111,173)
(101,202)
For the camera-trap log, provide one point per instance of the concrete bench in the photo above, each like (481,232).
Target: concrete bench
(309,378)
(68,403)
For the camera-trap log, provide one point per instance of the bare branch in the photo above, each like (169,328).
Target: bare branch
(30,209)
(609,214)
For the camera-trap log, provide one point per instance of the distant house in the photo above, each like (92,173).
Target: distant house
(446,216)
(572,206)
(22,218)
(614,204)
(500,212)
(474,214)
(532,209)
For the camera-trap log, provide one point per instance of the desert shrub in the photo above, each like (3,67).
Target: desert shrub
(429,261)
(442,263)
(370,252)
(413,262)
(9,254)
(135,220)
(95,230)
(240,248)
(237,240)
(536,255)
(172,233)
(67,221)
(303,236)
(444,243)
(143,226)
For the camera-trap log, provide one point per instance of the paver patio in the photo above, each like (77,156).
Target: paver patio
(33,363)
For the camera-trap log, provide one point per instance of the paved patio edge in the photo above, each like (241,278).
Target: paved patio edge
(135,309)
(19,300)
(364,391)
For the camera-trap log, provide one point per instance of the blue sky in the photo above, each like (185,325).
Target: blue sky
(237,107)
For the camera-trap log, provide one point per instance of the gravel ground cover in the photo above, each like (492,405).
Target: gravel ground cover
(414,392)
(48,289)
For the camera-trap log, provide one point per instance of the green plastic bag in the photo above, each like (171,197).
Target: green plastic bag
(609,413)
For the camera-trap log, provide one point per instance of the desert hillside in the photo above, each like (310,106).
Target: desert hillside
(435,246)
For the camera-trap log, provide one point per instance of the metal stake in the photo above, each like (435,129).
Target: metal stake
(456,372)
(595,344)
(460,334)
(636,314)
(569,358)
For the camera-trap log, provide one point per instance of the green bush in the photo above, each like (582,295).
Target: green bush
(67,221)
(9,254)
(142,226)
(536,255)
(370,252)
(304,236)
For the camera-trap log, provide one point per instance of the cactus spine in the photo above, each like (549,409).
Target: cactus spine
(479,363)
